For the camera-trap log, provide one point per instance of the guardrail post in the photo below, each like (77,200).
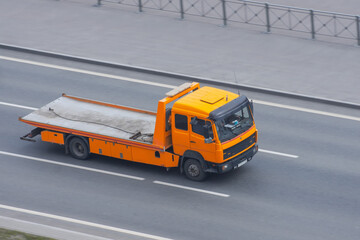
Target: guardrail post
(224,12)
(312,24)
(267,11)
(182,9)
(140,6)
(358,29)
(99,2)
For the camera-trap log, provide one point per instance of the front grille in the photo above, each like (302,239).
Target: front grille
(241,146)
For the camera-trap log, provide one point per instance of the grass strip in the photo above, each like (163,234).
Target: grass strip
(6,234)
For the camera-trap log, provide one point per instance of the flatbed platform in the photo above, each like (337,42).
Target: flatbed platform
(97,118)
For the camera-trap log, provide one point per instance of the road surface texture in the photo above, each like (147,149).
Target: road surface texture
(303,184)
(192,46)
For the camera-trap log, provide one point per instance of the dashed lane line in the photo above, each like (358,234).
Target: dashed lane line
(191,189)
(278,153)
(71,165)
(132,177)
(17,106)
(108,173)
(260,150)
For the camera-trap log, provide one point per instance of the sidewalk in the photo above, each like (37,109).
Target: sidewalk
(192,47)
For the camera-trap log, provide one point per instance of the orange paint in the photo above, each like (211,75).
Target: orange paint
(170,140)
(53,137)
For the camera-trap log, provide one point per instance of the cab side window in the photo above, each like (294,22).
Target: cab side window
(181,122)
(199,125)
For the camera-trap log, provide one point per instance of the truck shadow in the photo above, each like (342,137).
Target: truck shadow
(57,153)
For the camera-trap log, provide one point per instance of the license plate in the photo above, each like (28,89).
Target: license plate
(240,164)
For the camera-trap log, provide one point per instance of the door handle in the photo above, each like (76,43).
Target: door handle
(192,142)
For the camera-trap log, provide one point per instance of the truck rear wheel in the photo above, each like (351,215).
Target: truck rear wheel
(78,148)
(193,170)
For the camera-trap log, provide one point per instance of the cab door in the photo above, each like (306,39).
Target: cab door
(197,138)
(180,133)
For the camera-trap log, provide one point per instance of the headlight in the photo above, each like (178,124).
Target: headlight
(225,167)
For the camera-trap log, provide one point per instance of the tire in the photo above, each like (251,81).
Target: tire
(78,148)
(193,170)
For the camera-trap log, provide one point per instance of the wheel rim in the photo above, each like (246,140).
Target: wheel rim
(79,149)
(193,170)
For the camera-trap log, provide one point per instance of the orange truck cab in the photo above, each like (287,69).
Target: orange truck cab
(215,128)
(200,130)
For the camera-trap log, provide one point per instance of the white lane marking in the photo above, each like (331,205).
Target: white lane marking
(18,106)
(255,101)
(260,150)
(87,72)
(39,229)
(77,221)
(191,189)
(72,166)
(278,153)
(307,110)
(170,86)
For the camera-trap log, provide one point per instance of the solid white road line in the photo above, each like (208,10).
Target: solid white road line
(260,150)
(278,153)
(307,110)
(77,221)
(191,189)
(170,86)
(18,106)
(45,230)
(71,165)
(86,72)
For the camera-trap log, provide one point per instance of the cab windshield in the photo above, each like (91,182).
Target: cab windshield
(234,124)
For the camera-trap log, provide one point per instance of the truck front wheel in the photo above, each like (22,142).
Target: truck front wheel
(78,148)
(193,170)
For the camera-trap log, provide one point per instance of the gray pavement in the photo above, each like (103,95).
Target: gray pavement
(191,46)
(314,196)
(195,47)
(44,230)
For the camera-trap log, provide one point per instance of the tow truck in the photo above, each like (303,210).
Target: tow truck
(198,130)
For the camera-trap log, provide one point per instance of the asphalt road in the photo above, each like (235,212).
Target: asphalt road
(312,193)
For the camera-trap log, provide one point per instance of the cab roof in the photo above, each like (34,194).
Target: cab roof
(204,100)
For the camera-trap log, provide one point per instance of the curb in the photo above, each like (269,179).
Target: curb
(181,76)
(45,230)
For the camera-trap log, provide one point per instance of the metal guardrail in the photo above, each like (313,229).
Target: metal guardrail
(271,16)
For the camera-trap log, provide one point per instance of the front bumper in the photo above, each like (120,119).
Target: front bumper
(234,163)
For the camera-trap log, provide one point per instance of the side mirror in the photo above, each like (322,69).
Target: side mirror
(193,121)
(208,139)
(206,131)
